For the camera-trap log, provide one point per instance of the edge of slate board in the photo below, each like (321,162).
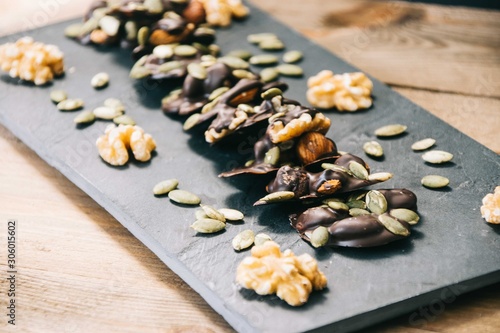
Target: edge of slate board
(238,321)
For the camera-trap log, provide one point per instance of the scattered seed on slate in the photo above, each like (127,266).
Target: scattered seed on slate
(290,70)
(257,38)
(356,204)
(373,148)
(435,181)
(320,237)
(213,213)
(272,156)
(270,93)
(234,62)
(73,30)
(261,238)
(263,60)
(165,186)
(380,176)
(70,104)
(58,96)
(423,144)
(268,75)
(405,214)
(231,214)
(291,57)
(110,25)
(200,214)
(393,225)
(114,103)
(276,197)
(390,130)
(106,112)
(84,117)
(271,44)
(243,54)
(208,226)
(100,80)
(243,240)
(437,156)
(184,197)
(124,120)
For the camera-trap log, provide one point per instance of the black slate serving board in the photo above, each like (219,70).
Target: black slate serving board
(450,252)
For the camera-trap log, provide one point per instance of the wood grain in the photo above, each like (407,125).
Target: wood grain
(81,271)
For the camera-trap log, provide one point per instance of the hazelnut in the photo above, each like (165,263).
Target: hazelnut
(312,146)
(194,12)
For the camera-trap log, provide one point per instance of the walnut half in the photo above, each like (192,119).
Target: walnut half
(270,271)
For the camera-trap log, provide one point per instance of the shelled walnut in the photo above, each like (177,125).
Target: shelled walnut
(490,210)
(31,61)
(270,271)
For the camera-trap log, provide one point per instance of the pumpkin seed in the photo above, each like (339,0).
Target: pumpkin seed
(257,38)
(380,176)
(163,51)
(99,13)
(197,71)
(373,148)
(335,205)
(406,215)
(213,213)
(207,60)
(106,112)
(184,197)
(100,80)
(243,240)
(249,163)
(272,156)
(376,202)
(435,181)
(393,225)
(114,103)
(423,144)
(268,75)
(271,44)
(358,170)
(73,30)
(131,30)
(231,214)
(263,60)
(84,117)
(217,92)
(173,95)
(88,26)
(276,197)
(320,237)
(70,104)
(337,168)
(165,186)
(356,204)
(110,25)
(170,66)
(358,212)
(326,201)
(234,62)
(358,195)
(58,96)
(292,56)
(243,74)
(261,238)
(200,214)
(246,108)
(208,226)
(139,72)
(214,49)
(185,50)
(290,70)
(437,156)
(209,106)
(124,120)
(242,54)
(390,130)
(191,122)
(153,6)
(270,93)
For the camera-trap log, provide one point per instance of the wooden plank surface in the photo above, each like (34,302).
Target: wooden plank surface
(81,271)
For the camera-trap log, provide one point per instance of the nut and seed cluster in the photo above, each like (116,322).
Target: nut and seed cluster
(31,61)
(490,210)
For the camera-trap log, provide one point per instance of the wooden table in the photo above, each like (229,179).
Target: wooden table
(81,271)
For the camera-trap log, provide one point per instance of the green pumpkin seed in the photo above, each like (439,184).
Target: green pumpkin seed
(376,202)
(124,120)
(139,72)
(106,112)
(153,6)
(390,130)
(173,95)
(335,205)
(270,93)
(356,204)
(246,108)
(131,30)
(319,237)
(358,212)
(373,148)
(100,80)
(249,163)
(268,75)
(276,197)
(142,36)
(184,197)
(213,213)
(73,30)
(231,214)
(257,38)
(200,214)
(209,106)
(192,121)
(208,226)
(165,186)
(261,238)
(243,240)
(197,71)
(435,181)
(358,195)
(326,201)
(58,96)
(217,92)
(115,104)
(290,70)
(437,156)
(234,62)
(263,60)
(272,156)
(358,170)
(170,66)
(271,44)
(242,54)
(291,57)
(393,225)
(243,74)
(337,168)
(423,144)
(380,176)
(99,13)
(163,51)
(88,26)
(185,51)
(110,25)
(214,49)
(84,117)
(70,104)
(406,215)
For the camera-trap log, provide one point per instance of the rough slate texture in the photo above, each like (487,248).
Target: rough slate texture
(452,245)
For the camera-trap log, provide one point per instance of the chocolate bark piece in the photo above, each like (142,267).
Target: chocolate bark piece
(355,231)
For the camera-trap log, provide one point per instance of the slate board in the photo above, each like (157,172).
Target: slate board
(451,251)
